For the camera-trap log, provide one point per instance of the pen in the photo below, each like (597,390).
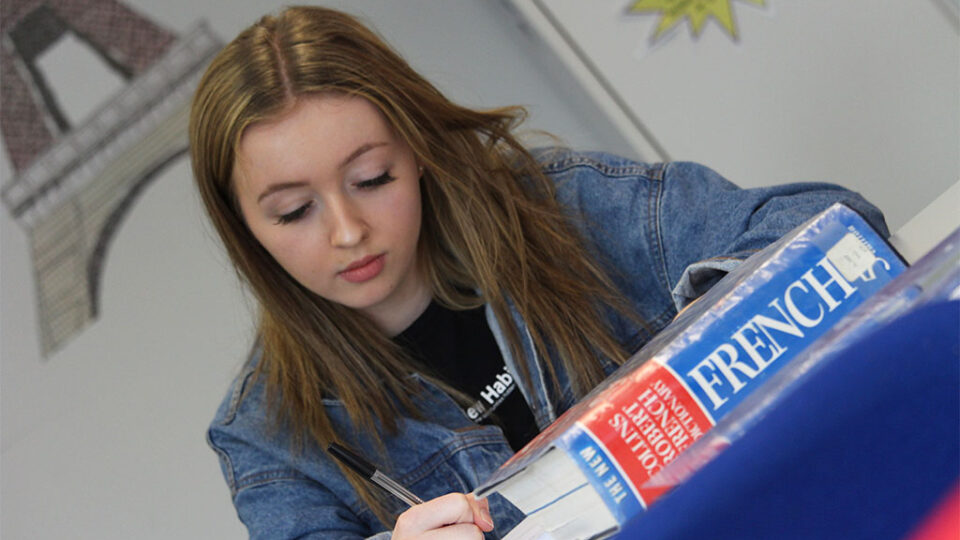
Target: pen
(367,470)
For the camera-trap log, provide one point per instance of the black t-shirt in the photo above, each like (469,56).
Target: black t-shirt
(460,348)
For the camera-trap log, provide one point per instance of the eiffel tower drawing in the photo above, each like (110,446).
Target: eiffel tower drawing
(73,184)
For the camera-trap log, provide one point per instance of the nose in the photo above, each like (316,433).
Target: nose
(347,226)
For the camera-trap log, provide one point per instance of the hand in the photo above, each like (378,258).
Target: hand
(452,516)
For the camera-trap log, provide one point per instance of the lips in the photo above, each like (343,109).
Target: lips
(364,269)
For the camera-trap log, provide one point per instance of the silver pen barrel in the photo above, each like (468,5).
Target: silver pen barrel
(396,489)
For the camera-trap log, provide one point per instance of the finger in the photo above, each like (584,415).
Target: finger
(448,509)
(460,531)
(481,513)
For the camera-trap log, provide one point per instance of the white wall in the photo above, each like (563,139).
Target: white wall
(862,93)
(105,439)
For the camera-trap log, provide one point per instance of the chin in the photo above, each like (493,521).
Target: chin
(365,301)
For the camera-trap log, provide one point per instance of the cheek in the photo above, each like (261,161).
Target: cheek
(296,251)
(407,214)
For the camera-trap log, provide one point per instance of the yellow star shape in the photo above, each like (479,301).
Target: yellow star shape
(672,12)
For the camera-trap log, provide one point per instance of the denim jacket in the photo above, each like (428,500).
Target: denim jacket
(664,232)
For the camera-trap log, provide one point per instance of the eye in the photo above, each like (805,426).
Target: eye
(384,178)
(295,215)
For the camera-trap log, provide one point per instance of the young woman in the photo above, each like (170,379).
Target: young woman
(431,293)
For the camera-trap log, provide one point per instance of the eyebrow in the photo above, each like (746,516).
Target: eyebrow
(362,149)
(273,188)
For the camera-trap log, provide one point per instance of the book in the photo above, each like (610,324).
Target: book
(586,474)
(934,277)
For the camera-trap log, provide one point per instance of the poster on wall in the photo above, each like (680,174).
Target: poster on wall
(77,173)
(695,14)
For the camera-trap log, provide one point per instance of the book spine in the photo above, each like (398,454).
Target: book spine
(636,432)
(645,421)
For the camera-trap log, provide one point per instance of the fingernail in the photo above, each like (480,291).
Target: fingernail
(486,517)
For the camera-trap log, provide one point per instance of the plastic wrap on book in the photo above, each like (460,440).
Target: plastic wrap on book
(935,276)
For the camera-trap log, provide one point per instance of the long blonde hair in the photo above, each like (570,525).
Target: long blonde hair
(490,224)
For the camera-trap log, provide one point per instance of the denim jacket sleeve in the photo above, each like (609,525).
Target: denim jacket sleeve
(283,493)
(667,232)
(273,498)
(709,224)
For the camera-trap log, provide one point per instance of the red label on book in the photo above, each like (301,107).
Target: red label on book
(645,423)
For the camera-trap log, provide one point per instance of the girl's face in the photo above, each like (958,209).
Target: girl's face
(333,195)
